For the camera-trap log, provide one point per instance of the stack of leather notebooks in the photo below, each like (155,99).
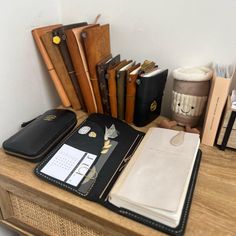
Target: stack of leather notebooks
(86,75)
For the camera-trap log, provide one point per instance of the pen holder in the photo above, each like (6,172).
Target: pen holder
(189,95)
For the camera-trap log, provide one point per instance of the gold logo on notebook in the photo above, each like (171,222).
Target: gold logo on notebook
(153,106)
(92,134)
(50,117)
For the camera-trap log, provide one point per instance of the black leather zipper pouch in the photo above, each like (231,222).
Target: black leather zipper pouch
(38,137)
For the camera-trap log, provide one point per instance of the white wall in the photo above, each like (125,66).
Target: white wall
(172,33)
(25,89)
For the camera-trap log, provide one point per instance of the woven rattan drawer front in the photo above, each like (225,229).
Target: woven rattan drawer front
(49,222)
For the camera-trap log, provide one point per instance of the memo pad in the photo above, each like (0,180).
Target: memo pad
(92,160)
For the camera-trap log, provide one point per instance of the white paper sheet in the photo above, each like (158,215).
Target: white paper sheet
(69,164)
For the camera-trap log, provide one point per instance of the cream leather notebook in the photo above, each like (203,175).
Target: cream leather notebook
(155,181)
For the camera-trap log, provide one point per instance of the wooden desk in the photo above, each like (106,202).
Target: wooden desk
(32,206)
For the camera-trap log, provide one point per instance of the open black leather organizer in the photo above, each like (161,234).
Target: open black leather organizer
(103,146)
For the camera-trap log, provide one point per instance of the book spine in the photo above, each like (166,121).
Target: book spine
(215,105)
(111,76)
(121,94)
(54,77)
(130,97)
(97,47)
(79,63)
(103,89)
(61,70)
(68,63)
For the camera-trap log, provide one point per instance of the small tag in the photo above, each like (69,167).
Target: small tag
(84,130)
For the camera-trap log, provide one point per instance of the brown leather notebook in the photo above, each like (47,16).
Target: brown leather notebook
(37,33)
(102,71)
(132,75)
(57,60)
(121,88)
(102,83)
(59,38)
(97,47)
(111,76)
(75,46)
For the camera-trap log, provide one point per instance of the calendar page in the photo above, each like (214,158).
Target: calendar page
(69,165)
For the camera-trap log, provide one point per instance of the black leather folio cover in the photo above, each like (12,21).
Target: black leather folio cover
(98,182)
(112,154)
(149,93)
(38,137)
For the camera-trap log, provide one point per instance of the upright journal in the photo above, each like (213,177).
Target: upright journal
(102,67)
(59,39)
(76,50)
(37,33)
(57,60)
(97,47)
(149,93)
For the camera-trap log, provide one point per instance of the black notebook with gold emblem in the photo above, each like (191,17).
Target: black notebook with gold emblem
(149,93)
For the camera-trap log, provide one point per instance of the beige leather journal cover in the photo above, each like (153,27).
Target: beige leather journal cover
(57,60)
(155,181)
(75,46)
(97,47)
(37,33)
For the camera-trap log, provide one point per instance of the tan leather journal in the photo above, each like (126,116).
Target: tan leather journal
(121,88)
(75,46)
(132,75)
(57,60)
(97,47)
(37,33)
(111,76)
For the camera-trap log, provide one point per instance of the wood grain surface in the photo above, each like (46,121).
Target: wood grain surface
(213,209)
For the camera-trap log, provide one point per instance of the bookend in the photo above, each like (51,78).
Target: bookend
(121,140)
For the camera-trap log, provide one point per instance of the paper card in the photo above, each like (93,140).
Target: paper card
(69,165)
